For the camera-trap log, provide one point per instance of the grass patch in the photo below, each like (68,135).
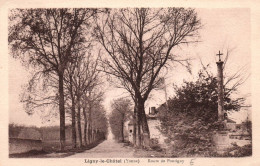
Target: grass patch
(51,150)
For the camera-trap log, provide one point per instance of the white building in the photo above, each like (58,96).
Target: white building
(154,127)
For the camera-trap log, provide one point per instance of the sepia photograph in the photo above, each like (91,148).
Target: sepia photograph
(129,83)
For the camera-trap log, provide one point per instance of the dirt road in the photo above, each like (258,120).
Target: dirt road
(107,149)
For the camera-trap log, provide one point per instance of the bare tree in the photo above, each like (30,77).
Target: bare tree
(47,39)
(121,111)
(139,43)
(233,81)
(81,77)
(99,123)
(91,100)
(69,86)
(38,93)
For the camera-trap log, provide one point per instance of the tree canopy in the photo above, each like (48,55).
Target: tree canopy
(48,40)
(140,42)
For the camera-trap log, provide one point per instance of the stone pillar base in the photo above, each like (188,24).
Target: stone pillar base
(222,141)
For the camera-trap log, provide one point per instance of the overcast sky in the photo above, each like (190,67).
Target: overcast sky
(222,29)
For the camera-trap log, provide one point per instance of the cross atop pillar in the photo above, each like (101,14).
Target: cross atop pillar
(219,54)
(221,111)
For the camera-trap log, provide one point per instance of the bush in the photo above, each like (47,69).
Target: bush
(154,144)
(191,117)
(237,151)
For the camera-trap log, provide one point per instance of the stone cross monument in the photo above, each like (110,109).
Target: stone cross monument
(221,137)
(221,112)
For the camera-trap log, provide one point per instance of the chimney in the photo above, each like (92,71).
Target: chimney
(152,110)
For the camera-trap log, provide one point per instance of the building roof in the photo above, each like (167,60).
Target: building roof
(131,122)
(149,116)
(230,121)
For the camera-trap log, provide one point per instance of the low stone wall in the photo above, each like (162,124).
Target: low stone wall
(240,142)
(18,145)
(223,141)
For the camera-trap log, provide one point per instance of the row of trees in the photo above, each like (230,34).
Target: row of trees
(56,45)
(137,45)
(121,112)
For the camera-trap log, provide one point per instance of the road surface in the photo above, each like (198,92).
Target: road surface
(107,149)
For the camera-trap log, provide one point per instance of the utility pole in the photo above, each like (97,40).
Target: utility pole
(220,89)
(165,93)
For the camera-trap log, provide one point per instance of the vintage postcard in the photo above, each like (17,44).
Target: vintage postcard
(135,83)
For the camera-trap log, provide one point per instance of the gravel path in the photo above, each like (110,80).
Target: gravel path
(107,149)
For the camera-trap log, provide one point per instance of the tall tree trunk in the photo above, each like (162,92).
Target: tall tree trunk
(139,137)
(79,124)
(143,119)
(85,126)
(73,117)
(93,136)
(89,125)
(144,123)
(134,120)
(122,132)
(146,132)
(73,124)
(62,112)
(145,127)
(89,132)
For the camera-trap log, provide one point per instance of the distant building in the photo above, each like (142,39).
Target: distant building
(154,127)
(130,130)
(231,125)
